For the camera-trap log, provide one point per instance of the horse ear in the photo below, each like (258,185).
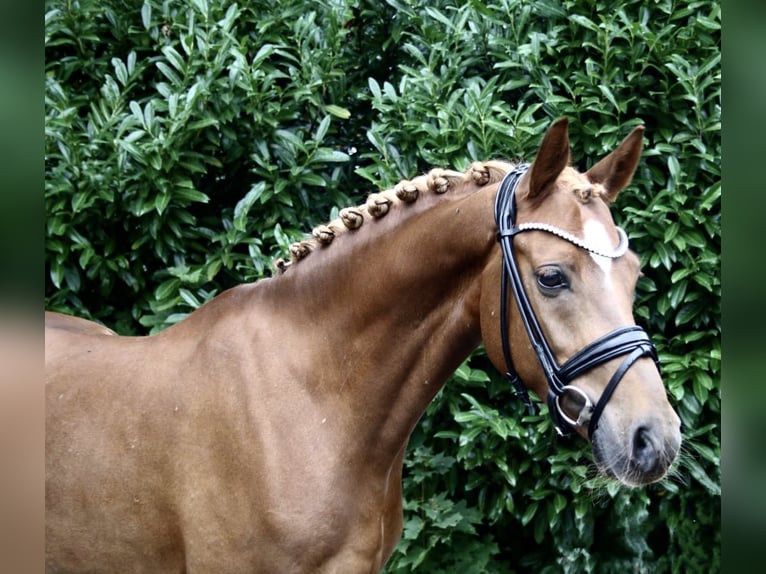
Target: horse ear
(551,159)
(615,171)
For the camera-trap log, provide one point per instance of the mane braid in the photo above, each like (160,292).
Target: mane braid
(379,204)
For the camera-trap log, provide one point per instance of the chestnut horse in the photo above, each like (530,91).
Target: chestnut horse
(265,432)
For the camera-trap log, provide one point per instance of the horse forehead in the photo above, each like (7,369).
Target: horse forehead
(588,217)
(581,185)
(571,180)
(596,233)
(571,177)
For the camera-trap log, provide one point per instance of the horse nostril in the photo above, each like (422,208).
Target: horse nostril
(645,452)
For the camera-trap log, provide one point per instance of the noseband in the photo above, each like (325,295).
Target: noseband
(631,341)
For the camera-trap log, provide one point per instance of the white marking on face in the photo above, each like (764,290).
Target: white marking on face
(595,234)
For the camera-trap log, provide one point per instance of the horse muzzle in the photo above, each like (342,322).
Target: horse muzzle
(640,453)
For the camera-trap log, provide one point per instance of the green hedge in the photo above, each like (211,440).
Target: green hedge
(189,142)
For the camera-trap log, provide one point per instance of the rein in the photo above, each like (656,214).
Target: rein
(631,341)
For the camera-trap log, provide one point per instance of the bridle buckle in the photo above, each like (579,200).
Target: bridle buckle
(586,411)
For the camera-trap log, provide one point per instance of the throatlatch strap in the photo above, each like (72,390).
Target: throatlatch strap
(521,391)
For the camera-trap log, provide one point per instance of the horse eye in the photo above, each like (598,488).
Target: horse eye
(551,279)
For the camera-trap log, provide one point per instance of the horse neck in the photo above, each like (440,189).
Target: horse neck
(390,311)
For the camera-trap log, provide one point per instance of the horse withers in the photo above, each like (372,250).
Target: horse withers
(265,432)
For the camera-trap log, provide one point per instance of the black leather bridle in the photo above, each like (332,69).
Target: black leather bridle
(631,341)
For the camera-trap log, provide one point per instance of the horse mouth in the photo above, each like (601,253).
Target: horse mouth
(643,459)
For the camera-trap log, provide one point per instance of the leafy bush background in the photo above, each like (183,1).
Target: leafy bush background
(189,142)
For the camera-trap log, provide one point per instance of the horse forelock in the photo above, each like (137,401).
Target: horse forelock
(437,181)
(583,189)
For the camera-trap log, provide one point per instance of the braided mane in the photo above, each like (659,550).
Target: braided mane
(436,181)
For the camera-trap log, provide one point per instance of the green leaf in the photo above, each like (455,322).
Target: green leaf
(120,70)
(175,59)
(243,206)
(135,107)
(674,167)
(329,156)
(337,111)
(374,88)
(390,91)
(559,503)
(161,202)
(146,15)
(184,193)
(189,298)
(201,6)
(679,274)
(609,96)
(321,132)
(167,289)
(686,314)
(584,21)
(203,123)
(292,138)
(529,513)
(699,474)
(313,179)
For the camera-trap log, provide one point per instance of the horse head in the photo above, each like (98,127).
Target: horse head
(573,280)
